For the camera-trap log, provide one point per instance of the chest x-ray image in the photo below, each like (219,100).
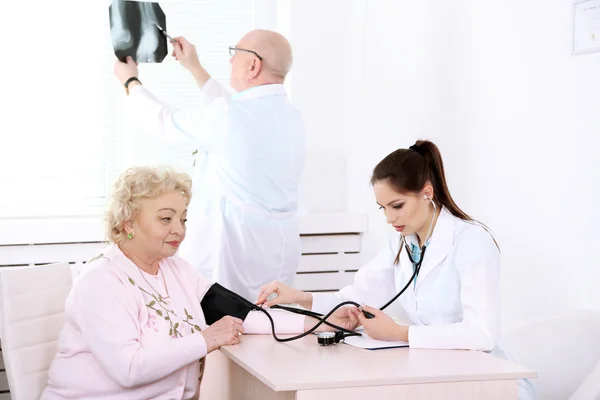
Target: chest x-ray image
(134,32)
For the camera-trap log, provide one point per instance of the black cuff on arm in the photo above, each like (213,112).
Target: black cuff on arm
(219,302)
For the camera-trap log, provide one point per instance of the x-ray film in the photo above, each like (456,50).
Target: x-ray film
(134,32)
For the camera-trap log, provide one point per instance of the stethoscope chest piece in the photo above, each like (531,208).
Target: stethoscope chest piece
(326,338)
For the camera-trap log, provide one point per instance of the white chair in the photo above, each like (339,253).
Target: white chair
(563,350)
(32,314)
(590,388)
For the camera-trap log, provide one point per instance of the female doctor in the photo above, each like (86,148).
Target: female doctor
(453,301)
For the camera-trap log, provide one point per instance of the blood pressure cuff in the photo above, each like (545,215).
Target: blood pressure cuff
(219,302)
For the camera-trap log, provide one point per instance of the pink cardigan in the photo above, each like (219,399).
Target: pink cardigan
(124,340)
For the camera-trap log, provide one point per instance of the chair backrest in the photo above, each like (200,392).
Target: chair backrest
(32,314)
(563,350)
(590,388)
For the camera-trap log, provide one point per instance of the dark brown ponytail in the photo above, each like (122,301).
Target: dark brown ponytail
(408,170)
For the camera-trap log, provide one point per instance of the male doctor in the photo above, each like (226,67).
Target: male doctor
(243,224)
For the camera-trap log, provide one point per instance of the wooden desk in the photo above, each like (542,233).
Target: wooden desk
(261,368)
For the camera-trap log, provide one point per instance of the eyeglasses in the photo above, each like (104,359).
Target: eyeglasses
(232,51)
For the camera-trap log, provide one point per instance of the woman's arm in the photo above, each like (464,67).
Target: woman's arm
(106,310)
(286,322)
(218,302)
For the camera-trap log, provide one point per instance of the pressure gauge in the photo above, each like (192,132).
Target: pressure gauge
(326,338)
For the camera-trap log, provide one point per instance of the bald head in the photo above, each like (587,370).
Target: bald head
(273,48)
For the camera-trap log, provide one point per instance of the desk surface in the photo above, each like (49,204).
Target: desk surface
(303,364)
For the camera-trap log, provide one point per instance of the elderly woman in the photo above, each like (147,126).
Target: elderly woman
(137,317)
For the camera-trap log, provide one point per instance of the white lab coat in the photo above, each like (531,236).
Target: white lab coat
(455,303)
(589,389)
(242,227)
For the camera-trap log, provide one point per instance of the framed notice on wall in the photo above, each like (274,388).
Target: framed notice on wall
(586,26)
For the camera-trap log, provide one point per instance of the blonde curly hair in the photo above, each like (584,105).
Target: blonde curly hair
(136,184)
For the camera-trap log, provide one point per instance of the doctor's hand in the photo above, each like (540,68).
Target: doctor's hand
(382,326)
(285,295)
(226,331)
(185,53)
(125,70)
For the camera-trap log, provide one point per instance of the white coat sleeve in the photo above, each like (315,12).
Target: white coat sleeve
(106,311)
(211,91)
(206,124)
(374,283)
(478,263)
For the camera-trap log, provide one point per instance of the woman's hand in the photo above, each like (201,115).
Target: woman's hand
(382,326)
(344,317)
(226,331)
(285,295)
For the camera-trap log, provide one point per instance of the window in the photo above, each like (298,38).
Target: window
(63,141)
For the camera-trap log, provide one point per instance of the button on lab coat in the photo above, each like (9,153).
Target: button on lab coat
(455,303)
(242,227)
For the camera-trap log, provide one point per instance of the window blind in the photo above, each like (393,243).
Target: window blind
(64,140)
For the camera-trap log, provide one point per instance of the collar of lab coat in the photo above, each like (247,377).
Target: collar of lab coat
(260,91)
(442,240)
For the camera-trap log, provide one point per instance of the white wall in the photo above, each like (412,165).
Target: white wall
(326,85)
(515,115)
(528,114)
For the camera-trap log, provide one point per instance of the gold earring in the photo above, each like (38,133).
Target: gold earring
(130,235)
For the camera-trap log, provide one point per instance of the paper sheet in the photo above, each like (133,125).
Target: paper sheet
(366,342)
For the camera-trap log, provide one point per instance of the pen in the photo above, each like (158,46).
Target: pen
(165,33)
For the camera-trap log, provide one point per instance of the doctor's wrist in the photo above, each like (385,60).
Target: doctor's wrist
(134,84)
(402,333)
(201,76)
(306,300)
(131,83)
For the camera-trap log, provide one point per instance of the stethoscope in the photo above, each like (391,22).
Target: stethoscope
(416,264)
(328,338)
